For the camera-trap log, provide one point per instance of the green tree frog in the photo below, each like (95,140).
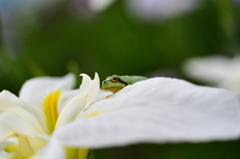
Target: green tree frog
(115,83)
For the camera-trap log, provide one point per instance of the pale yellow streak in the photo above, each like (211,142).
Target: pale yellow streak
(93,114)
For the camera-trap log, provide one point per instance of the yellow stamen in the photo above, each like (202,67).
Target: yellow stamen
(50,107)
(93,114)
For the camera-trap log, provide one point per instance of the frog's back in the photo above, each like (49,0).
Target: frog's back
(133,79)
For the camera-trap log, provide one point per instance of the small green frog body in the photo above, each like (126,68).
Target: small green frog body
(115,83)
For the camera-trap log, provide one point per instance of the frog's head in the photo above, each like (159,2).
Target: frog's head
(113,83)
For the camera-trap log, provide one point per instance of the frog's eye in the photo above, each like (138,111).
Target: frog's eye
(114,79)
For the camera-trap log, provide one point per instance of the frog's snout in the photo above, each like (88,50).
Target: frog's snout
(104,81)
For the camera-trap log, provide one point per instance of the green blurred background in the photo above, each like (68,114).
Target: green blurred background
(63,37)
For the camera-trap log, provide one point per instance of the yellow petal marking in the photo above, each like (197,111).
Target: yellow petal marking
(108,96)
(50,107)
(93,114)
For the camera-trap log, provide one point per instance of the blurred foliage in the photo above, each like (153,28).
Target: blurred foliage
(113,42)
(213,150)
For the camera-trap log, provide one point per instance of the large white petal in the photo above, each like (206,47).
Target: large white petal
(157,110)
(35,90)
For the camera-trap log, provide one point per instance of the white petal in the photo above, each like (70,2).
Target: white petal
(93,90)
(215,69)
(89,91)
(85,82)
(10,103)
(70,112)
(35,90)
(67,96)
(157,110)
(53,150)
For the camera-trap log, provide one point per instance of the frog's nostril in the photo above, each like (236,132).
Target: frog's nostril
(104,82)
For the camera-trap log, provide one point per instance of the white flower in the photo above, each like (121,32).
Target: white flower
(156,110)
(217,70)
